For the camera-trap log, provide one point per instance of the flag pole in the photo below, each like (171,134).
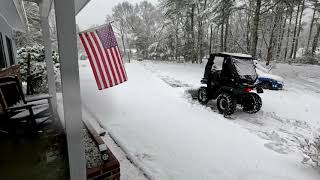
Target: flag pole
(94,28)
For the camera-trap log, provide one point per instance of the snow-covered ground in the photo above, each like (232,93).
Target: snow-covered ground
(292,111)
(169,135)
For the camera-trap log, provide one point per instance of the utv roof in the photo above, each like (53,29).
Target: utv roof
(233,54)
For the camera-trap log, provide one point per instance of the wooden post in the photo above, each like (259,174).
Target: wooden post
(49,61)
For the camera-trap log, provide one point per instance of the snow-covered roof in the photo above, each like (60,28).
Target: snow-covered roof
(80,4)
(13,14)
(46,5)
(12,11)
(237,54)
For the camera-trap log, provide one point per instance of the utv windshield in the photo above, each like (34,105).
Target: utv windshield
(245,68)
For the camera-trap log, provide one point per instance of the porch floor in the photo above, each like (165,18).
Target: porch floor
(41,157)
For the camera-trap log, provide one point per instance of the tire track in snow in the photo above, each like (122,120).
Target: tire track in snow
(166,78)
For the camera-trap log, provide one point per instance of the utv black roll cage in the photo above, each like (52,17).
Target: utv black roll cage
(228,68)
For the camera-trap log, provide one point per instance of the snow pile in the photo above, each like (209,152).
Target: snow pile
(311,151)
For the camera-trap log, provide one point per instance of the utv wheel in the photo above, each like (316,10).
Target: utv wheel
(226,104)
(265,85)
(203,95)
(252,103)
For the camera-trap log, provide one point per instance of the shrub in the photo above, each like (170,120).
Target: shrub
(37,66)
(311,151)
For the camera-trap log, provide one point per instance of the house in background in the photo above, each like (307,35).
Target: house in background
(12,18)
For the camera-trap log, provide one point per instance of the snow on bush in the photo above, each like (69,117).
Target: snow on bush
(37,66)
(311,151)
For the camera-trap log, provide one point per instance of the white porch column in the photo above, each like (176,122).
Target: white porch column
(67,41)
(49,61)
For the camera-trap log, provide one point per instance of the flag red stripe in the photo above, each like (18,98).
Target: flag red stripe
(96,59)
(125,73)
(120,63)
(118,81)
(94,63)
(116,64)
(109,67)
(91,61)
(112,68)
(102,58)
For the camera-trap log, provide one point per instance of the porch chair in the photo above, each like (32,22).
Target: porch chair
(17,108)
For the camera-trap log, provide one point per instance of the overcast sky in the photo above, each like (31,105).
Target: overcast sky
(96,11)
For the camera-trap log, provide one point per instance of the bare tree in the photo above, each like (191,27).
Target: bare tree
(316,40)
(315,6)
(189,29)
(295,31)
(288,32)
(256,20)
(299,30)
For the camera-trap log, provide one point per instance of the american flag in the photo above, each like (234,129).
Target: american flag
(104,56)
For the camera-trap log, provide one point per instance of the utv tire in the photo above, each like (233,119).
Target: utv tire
(252,103)
(226,104)
(203,95)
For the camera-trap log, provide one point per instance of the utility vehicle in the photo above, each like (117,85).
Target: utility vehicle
(230,78)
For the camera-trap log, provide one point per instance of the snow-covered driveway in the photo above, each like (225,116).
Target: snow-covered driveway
(172,137)
(287,117)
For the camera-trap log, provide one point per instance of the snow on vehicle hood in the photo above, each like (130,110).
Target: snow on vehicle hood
(263,72)
(267,75)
